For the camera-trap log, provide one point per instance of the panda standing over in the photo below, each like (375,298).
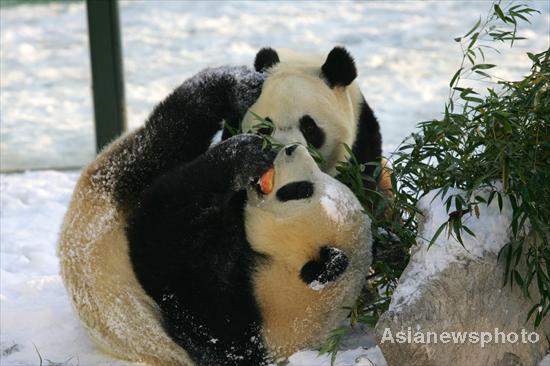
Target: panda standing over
(316,101)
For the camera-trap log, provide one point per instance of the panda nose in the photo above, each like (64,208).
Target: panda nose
(290,149)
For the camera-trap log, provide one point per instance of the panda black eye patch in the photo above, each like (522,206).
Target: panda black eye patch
(313,134)
(295,191)
(266,130)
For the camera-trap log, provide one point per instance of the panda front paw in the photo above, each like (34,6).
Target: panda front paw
(246,89)
(332,263)
(237,86)
(244,158)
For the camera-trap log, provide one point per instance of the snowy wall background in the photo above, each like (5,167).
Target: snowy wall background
(404,51)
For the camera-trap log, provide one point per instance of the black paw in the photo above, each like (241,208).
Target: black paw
(244,157)
(247,88)
(331,264)
(233,88)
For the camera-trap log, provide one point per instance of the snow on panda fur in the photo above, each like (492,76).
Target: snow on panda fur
(323,235)
(95,266)
(243,277)
(99,269)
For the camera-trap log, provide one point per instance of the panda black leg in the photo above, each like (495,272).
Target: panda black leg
(331,264)
(243,159)
(181,128)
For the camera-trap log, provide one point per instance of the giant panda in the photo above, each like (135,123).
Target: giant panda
(244,277)
(316,101)
(96,262)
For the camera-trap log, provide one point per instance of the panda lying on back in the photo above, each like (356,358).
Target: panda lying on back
(242,276)
(171,257)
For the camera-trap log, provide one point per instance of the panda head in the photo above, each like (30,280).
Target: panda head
(306,210)
(307,214)
(308,101)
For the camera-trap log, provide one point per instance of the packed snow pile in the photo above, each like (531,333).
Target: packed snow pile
(450,288)
(491,230)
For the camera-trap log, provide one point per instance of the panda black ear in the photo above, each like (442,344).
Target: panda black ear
(339,68)
(265,58)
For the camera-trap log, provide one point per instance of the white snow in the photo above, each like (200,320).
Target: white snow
(404,52)
(491,230)
(334,203)
(34,308)
(355,357)
(317,285)
(331,208)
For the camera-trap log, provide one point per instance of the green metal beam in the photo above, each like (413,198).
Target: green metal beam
(107,72)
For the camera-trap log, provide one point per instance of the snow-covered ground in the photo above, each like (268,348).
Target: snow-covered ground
(404,52)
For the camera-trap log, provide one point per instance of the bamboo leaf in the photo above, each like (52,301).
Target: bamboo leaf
(437,233)
(455,77)
(500,13)
(483,66)
(473,28)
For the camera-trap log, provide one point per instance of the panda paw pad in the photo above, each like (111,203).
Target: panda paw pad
(332,263)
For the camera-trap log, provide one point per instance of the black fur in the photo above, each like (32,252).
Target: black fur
(290,149)
(339,68)
(295,191)
(368,143)
(313,134)
(267,130)
(189,251)
(331,264)
(179,129)
(265,58)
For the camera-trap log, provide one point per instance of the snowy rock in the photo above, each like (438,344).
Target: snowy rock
(450,304)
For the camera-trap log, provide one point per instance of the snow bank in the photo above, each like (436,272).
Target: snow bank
(491,230)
